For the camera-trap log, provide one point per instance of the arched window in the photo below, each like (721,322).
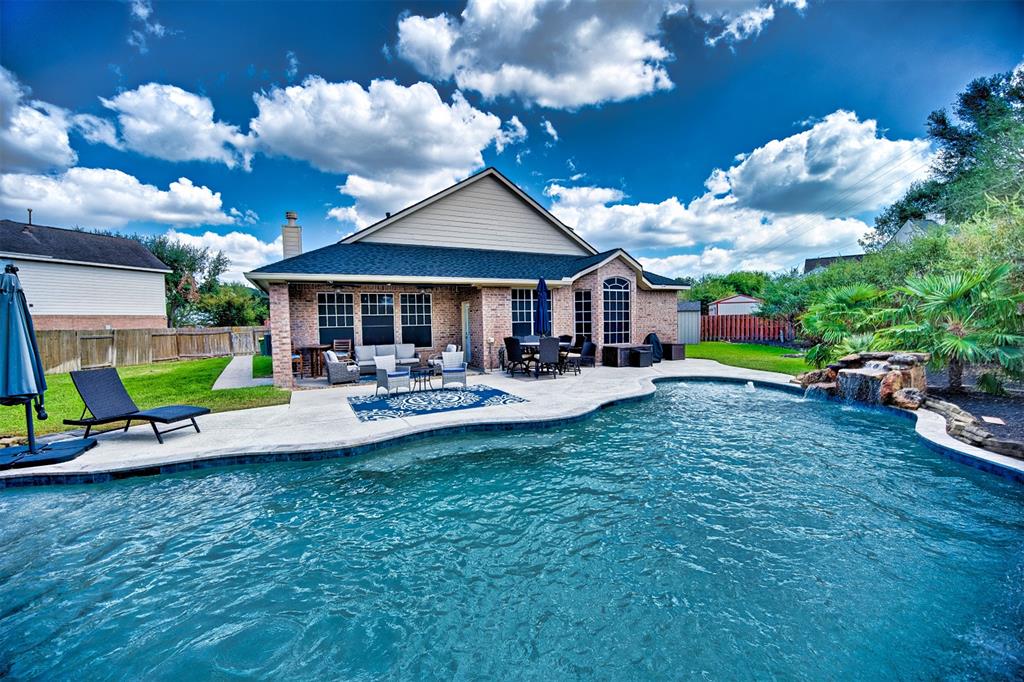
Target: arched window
(616,310)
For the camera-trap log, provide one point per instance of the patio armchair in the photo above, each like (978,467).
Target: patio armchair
(342,347)
(453,368)
(436,361)
(577,343)
(514,356)
(588,354)
(549,357)
(340,370)
(107,401)
(389,377)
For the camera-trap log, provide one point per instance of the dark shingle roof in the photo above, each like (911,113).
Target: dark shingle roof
(74,245)
(688,306)
(370,259)
(824,262)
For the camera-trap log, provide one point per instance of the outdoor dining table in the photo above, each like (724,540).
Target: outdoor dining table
(315,352)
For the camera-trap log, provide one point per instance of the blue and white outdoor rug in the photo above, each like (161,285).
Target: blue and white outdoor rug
(373,408)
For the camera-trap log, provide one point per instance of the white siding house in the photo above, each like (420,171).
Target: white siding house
(80,280)
(739,304)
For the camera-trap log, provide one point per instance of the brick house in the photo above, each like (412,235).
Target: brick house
(459,267)
(78,280)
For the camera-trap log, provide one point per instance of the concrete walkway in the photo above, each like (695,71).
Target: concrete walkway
(319,424)
(238,374)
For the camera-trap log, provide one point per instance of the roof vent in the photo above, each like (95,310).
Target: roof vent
(291,235)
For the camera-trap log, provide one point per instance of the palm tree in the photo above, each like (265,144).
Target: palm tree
(961,318)
(839,314)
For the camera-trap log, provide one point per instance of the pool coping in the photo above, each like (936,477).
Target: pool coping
(929,426)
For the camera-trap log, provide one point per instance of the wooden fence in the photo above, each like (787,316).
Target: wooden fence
(744,328)
(65,351)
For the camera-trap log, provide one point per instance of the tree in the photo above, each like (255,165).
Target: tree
(921,199)
(841,313)
(961,317)
(234,305)
(194,271)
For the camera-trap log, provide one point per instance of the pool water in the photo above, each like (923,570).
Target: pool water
(707,532)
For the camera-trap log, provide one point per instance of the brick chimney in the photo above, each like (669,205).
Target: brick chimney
(291,235)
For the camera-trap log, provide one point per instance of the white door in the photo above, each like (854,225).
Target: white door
(467,341)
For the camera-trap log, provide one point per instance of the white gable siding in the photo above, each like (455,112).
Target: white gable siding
(481,215)
(65,289)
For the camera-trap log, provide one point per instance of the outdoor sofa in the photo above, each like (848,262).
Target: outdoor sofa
(404,354)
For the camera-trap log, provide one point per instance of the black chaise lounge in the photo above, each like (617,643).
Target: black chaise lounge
(107,401)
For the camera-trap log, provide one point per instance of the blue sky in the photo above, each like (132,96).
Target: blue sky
(701,138)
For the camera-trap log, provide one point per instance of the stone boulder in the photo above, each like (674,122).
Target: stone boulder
(817,376)
(890,384)
(908,398)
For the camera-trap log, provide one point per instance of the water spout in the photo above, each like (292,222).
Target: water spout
(750,387)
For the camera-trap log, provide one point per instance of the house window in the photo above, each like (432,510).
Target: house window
(616,310)
(378,312)
(416,319)
(524,312)
(335,316)
(582,314)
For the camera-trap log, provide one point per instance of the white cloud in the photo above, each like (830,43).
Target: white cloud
(140,12)
(397,144)
(33,134)
(166,122)
(96,130)
(743,25)
(787,200)
(555,54)
(107,198)
(293,66)
(249,217)
(550,130)
(245,251)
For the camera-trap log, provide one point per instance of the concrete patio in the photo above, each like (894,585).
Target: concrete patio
(320,424)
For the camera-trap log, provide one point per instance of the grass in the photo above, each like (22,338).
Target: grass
(749,355)
(262,366)
(186,382)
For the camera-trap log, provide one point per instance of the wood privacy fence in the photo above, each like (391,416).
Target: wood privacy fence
(65,351)
(744,328)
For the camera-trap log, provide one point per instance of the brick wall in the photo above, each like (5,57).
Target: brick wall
(91,322)
(281,335)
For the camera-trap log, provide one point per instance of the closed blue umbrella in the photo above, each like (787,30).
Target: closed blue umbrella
(22,381)
(542,308)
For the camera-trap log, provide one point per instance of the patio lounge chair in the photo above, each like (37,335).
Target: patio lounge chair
(388,377)
(453,370)
(514,356)
(107,401)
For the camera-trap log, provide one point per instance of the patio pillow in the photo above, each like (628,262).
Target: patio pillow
(405,351)
(385,362)
(386,350)
(365,353)
(331,356)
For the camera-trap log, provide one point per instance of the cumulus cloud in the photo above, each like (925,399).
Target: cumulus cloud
(292,70)
(33,134)
(249,217)
(567,54)
(786,200)
(245,251)
(167,122)
(555,54)
(107,198)
(396,144)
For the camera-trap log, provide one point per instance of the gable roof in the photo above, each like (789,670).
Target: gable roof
(58,244)
(489,172)
(825,261)
(368,261)
(731,299)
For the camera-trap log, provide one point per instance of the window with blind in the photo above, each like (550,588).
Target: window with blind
(416,323)
(378,317)
(335,316)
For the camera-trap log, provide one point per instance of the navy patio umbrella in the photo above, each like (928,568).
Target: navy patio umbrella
(22,381)
(541,323)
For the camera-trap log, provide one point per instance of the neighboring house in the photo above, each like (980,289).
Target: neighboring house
(812,264)
(740,304)
(82,280)
(460,267)
(913,228)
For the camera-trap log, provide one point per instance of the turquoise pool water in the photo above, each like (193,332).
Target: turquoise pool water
(706,532)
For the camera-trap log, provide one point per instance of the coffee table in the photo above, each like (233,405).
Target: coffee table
(421,378)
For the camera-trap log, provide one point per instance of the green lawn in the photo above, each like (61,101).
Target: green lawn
(749,355)
(262,366)
(186,382)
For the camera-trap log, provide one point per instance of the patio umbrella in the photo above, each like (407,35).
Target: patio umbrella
(542,308)
(22,381)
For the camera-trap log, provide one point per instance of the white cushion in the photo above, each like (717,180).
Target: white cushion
(385,362)
(405,351)
(388,349)
(451,348)
(331,356)
(365,353)
(453,359)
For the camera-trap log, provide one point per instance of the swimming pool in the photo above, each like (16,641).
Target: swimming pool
(707,531)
